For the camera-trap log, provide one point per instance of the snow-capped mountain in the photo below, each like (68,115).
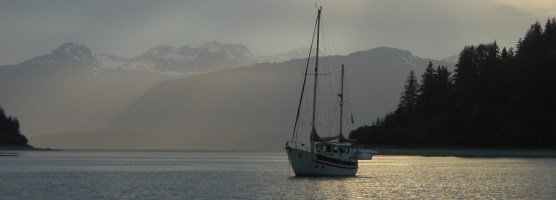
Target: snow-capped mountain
(169,59)
(70,54)
(163,59)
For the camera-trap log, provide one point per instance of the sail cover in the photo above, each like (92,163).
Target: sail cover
(316,138)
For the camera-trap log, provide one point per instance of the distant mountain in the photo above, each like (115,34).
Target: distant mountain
(247,107)
(452,59)
(292,54)
(69,90)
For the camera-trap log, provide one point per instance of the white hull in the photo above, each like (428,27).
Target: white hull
(305,163)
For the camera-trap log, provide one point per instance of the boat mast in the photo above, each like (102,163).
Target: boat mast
(316,77)
(341,95)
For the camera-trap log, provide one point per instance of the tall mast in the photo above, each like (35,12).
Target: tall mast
(316,77)
(341,95)
(316,69)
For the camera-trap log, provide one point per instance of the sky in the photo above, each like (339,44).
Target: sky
(428,28)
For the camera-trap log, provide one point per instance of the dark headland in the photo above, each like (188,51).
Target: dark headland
(10,135)
(22,148)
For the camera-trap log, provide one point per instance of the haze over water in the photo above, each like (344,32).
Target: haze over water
(182,174)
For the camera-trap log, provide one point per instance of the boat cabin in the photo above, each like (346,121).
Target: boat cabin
(342,152)
(333,148)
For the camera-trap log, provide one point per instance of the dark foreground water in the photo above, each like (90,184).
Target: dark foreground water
(107,174)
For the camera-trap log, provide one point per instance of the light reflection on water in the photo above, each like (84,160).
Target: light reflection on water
(148,174)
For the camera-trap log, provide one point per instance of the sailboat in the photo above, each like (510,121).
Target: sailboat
(325,156)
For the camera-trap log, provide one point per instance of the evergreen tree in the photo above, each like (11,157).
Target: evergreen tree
(435,91)
(444,89)
(408,99)
(426,91)
(466,76)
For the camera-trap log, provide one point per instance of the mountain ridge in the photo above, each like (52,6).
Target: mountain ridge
(235,107)
(164,59)
(71,91)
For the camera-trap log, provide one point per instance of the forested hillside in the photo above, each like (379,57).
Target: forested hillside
(494,98)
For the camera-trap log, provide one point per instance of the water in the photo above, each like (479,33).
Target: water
(151,174)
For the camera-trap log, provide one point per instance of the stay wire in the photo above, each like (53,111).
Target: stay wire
(304,81)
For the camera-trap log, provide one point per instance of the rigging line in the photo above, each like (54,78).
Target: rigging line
(349,105)
(331,45)
(305,78)
(348,119)
(326,42)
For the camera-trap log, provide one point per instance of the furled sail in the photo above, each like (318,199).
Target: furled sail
(316,138)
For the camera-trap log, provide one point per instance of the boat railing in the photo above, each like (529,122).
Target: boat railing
(297,145)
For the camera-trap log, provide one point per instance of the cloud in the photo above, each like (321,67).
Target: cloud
(127,28)
(508,8)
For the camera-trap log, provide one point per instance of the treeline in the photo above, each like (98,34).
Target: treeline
(494,98)
(10,134)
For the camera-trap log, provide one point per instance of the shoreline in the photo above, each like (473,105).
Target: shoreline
(392,151)
(23,148)
(467,153)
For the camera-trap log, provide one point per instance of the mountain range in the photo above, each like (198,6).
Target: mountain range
(78,90)
(163,59)
(169,59)
(73,98)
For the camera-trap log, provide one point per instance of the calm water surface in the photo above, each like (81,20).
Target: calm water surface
(151,174)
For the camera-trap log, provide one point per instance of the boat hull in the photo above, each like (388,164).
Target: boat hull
(305,163)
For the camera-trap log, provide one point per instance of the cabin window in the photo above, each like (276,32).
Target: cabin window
(318,148)
(335,149)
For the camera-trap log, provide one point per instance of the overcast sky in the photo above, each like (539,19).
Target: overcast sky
(428,28)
